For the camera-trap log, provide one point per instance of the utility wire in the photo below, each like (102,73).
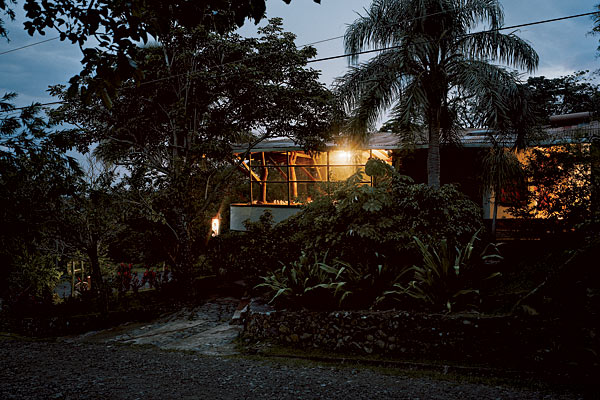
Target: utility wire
(371,50)
(406,20)
(465,35)
(28,45)
(34,105)
(302,46)
(326,58)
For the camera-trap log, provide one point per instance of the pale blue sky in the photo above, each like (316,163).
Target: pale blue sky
(564,47)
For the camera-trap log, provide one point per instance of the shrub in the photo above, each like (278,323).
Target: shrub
(33,278)
(306,283)
(250,254)
(445,279)
(376,224)
(562,185)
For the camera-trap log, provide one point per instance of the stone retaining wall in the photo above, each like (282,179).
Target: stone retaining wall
(497,340)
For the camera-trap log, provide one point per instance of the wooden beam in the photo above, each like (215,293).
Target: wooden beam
(312,178)
(283,174)
(264,176)
(246,169)
(293,178)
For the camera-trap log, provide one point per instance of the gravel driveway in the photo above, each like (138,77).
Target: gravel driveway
(60,370)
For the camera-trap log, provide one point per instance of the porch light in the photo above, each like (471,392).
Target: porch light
(215,226)
(342,157)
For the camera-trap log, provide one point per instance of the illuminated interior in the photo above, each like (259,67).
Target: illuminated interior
(506,200)
(296,177)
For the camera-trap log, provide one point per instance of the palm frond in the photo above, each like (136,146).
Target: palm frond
(495,46)
(380,26)
(368,90)
(490,84)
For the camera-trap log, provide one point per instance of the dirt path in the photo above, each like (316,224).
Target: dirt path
(205,329)
(58,370)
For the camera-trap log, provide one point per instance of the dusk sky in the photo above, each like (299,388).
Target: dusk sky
(564,47)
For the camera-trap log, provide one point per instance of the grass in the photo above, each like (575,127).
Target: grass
(411,368)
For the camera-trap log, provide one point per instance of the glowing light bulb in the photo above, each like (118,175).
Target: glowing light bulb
(215,225)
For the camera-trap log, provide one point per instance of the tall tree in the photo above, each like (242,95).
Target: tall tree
(567,94)
(35,175)
(174,134)
(117,26)
(430,57)
(90,218)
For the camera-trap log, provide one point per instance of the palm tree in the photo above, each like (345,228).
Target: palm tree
(430,59)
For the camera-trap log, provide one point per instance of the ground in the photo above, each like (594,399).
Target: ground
(42,370)
(191,354)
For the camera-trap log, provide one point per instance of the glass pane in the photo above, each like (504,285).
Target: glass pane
(315,174)
(309,191)
(347,157)
(314,158)
(276,193)
(274,174)
(343,173)
(385,155)
(271,158)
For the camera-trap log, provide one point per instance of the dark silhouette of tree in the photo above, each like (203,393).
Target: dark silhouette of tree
(431,57)
(174,134)
(116,27)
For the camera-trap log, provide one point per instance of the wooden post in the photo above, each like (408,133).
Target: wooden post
(294,184)
(72,278)
(263,178)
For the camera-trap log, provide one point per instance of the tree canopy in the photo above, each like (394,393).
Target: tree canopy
(35,175)
(566,94)
(109,31)
(174,133)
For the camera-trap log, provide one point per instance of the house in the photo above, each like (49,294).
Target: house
(282,176)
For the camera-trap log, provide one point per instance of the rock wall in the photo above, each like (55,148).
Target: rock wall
(498,340)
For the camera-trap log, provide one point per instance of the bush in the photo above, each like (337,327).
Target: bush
(250,254)
(446,279)
(562,185)
(306,283)
(372,226)
(32,279)
(368,230)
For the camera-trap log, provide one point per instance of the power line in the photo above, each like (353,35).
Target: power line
(371,50)
(326,58)
(387,25)
(466,35)
(258,56)
(28,45)
(34,105)
(302,46)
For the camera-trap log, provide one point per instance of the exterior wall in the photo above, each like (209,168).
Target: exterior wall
(242,212)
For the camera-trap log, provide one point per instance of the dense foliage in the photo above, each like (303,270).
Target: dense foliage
(117,27)
(565,95)
(376,224)
(563,185)
(173,136)
(35,177)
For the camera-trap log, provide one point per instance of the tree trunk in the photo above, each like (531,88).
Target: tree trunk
(433,153)
(183,263)
(97,282)
(495,214)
